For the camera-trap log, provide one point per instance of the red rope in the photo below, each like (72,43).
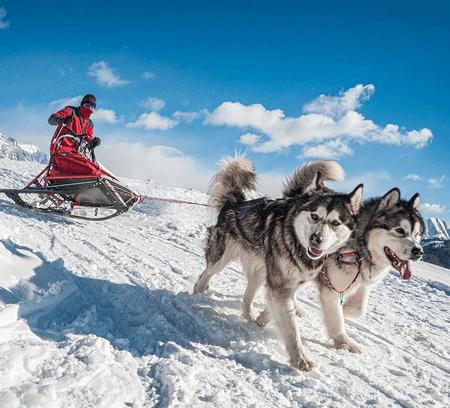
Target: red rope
(324,274)
(173,200)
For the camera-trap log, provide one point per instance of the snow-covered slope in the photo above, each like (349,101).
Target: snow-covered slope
(437,228)
(10,149)
(103,315)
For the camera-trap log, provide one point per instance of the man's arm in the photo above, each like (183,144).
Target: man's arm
(62,117)
(89,135)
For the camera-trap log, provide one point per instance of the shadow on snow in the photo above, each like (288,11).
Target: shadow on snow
(55,302)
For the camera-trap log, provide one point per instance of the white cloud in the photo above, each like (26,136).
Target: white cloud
(433,209)
(271,183)
(104,75)
(104,115)
(154,104)
(148,75)
(392,134)
(153,120)
(334,149)
(375,183)
(326,119)
(413,177)
(3,22)
(249,139)
(187,117)
(164,164)
(337,106)
(437,182)
(61,103)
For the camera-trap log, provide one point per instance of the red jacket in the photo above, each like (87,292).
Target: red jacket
(80,124)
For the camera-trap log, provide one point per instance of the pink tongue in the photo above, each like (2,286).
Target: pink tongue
(404,269)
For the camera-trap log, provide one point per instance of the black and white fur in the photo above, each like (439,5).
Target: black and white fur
(281,243)
(383,222)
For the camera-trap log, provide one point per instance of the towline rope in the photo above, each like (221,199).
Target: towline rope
(173,200)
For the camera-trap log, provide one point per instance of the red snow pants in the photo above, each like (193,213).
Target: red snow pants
(73,164)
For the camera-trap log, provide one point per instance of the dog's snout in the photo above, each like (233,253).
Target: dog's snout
(316,239)
(417,252)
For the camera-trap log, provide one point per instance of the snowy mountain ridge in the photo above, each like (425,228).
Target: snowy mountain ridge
(11,149)
(103,315)
(437,228)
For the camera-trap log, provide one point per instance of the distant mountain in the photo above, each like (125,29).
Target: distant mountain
(437,229)
(437,251)
(436,242)
(10,149)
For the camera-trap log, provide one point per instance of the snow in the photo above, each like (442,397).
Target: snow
(437,228)
(103,315)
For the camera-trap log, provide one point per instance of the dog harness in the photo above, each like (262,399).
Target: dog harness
(245,207)
(340,259)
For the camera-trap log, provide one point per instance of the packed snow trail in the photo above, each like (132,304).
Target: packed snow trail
(102,314)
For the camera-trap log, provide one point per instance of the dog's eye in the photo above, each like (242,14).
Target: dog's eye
(335,223)
(315,217)
(400,231)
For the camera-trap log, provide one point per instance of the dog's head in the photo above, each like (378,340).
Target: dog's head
(395,230)
(327,220)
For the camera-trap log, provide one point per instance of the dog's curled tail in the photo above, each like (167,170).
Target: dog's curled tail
(228,185)
(310,175)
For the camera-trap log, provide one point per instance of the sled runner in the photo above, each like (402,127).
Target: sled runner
(95,196)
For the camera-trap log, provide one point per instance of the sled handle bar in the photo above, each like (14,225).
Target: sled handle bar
(72,132)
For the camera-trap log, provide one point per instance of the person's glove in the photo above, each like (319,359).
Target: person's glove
(94,143)
(57,121)
(66,121)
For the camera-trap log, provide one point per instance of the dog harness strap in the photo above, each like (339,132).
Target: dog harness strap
(342,255)
(349,254)
(324,275)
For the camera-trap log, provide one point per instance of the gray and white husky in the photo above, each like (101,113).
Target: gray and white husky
(388,236)
(283,242)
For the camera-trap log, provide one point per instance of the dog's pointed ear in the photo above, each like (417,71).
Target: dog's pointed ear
(390,199)
(355,199)
(415,201)
(316,183)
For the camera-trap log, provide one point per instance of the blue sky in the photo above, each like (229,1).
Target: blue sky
(183,84)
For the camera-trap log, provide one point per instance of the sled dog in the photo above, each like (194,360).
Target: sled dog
(282,243)
(388,236)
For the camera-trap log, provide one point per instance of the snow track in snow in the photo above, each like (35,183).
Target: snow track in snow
(102,314)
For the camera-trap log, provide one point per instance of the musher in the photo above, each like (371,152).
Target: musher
(65,151)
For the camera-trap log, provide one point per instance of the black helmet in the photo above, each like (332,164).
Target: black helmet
(89,99)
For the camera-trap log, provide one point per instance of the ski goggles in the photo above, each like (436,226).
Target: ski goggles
(90,106)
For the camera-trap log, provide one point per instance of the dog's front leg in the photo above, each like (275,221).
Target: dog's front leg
(281,302)
(334,320)
(355,305)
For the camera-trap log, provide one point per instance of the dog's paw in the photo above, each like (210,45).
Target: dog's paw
(263,319)
(348,345)
(302,364)
(249,316)
(200,288)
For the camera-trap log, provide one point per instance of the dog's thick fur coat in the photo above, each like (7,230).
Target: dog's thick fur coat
(279,242)
(384,222)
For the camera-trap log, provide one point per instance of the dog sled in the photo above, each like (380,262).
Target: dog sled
(96,196)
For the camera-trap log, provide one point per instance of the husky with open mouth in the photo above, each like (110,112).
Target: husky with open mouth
(388,236)
(282,243)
